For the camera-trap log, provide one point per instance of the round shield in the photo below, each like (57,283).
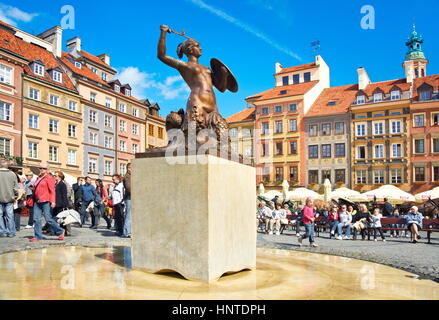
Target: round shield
(231,83)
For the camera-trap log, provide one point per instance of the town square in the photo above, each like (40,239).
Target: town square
(219,151)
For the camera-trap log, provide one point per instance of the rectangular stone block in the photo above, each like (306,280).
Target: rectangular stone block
(195,217)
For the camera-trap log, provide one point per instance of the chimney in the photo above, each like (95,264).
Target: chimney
(105,58)
(278,67)
(74,45)
(363,78)
(54,36)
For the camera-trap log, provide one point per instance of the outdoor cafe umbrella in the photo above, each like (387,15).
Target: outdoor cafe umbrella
(300,194)
(431,194)
(343,193)
(271,194)
(392,193)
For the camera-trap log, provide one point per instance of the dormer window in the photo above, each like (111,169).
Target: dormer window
(128,92)
(395,95)
(39,69)
(361,99)
(94,70)
(378,97)
(78,65)
(307,77)
(104,76)
(425,92)
(116,88)
(332,103)
(57,76)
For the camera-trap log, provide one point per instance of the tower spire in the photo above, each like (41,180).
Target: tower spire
(415,64)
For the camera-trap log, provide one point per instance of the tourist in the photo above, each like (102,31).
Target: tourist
(299,218)
(8,194)
(376,224)
(44,195)
(352,211)
(345,220)
(127,200)
(88,195)
(268,218)
(29,199)
(278,213)
(414,223)
(360,220)
(99,206)
(387,209)
(61,198)
(395,215)
(275,200)
(260,215)
(308,221)
(288,212)
(333,220)
(19,203)
(77,194)
(117,196)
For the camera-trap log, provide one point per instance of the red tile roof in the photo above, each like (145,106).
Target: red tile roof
(343,97)
(84,71)
(95,59)
(298,68)
(247,114)
(386,86)
(431,80)
(291,90)
(8,41)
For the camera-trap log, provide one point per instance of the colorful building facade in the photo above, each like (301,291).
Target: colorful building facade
(241,132)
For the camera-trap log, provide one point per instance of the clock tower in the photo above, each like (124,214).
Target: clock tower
(415,63)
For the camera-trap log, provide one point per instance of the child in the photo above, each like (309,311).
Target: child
(376,224)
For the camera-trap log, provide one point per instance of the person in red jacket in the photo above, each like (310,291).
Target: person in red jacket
(44,202)
(308,221)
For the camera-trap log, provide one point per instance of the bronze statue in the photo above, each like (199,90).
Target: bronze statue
(201,109)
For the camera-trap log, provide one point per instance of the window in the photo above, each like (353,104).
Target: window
(396,113)
(326,129)
(5,74)
(396,126)
(72,106)
(108,167)
(116,88)
(39,69)
(396,176)
(160,133)
(361,152)
(247,132)
(33,150)
(326,174)
(293,107)
(378,128)
(265,110)
(313,129)
(78,65)
(123,168)
(378,114)
(108,121)
(377,97)
(92,165)
(53,154)
(340,175)
(265,128)
(292,125)
(339,128)
(361,99)
(108,102)
(265,174)
(340,150)
(234,147)
(34,94)
(151,130)
(332,103)
(34,121)
(248,151)
(435,119)
(53,126)
(285,81)
(123,146)
(128,92)
(122,107)
(5,146)
(307,77)
(395,95)
(94,70)
(54,100)
(293,147)
(396,150)
(435,145)
(424,95)
(279,148)
(104,76)
(135,112)
(71,157)
(93,138)
(278,109)
(379,151)
(92,97)
(57,76)
(72,130)
(296,78)
(233,132)
(313,176)
(419,120)
(278,127)
(326,151)
(313,152)
(108,142)
(435,173)
(5,111)
(419,145)
(294,175)
(378,176)
(92,116)
(419,174)
(122,125)
(265,150)
(361,130)
(135,129)
(135,148)
(361,177)
(279,174)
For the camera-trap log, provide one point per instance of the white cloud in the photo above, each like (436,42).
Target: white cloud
(201,4)
(11,15)
(146,84)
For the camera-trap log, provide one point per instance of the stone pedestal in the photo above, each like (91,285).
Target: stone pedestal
(197,219)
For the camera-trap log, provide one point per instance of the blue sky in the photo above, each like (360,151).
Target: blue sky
(248,35)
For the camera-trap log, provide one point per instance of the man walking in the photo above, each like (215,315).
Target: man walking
(8,194)
(88,195)
(127,200)
(117,196)
(77,194)
(44,195)
(28,185)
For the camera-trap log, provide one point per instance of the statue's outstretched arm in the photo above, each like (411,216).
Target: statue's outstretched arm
(161,50)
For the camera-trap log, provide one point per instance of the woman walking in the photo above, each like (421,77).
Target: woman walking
(308,221)
(99,207)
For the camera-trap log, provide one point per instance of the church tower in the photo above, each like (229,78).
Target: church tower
(415,63)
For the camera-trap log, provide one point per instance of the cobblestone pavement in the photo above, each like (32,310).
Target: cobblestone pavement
(421,258)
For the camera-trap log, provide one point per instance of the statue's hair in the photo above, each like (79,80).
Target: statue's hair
(185,47)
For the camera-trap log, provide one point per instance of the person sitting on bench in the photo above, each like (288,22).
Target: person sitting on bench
(414,223)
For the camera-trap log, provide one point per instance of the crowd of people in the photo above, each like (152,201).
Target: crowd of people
(345,223)
(49,195)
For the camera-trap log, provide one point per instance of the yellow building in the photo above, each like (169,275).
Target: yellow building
(241,132)
(155,132)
